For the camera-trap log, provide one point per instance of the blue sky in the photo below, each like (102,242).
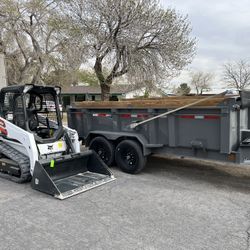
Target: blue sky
(222,29)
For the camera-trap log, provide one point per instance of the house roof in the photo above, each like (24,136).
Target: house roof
(70,90)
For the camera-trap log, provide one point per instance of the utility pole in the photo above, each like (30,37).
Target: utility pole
(3,78)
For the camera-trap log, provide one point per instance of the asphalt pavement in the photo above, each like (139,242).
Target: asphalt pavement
(170,205)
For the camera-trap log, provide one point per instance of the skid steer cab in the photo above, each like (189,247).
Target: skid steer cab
(34,144)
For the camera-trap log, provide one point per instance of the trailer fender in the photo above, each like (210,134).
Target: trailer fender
(119,136)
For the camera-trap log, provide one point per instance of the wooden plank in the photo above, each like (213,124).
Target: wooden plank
(169,102)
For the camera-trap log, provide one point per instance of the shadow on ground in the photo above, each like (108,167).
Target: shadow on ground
(218,174)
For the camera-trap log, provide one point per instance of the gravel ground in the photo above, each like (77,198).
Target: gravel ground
(171,205)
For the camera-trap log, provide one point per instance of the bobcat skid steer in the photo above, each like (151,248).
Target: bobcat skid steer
(34,145)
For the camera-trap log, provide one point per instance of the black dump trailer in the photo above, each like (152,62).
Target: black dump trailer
(126,132)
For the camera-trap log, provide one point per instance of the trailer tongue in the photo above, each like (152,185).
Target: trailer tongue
(70,175)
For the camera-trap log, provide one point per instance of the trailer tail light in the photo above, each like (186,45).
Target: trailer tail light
(201,117)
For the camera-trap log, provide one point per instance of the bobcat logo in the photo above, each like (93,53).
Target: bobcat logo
(50,147)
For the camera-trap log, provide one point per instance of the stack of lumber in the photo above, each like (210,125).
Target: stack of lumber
(167,102)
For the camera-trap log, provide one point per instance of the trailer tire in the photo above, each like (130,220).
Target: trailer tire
(104,148)
(129,157)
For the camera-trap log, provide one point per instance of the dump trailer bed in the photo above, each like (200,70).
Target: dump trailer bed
(217,128)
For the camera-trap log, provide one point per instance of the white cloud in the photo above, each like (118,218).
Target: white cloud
(222,29)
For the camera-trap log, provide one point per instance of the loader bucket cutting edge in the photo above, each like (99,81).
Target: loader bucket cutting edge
(70,175)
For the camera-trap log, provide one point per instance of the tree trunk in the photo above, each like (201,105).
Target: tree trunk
(197,90)
(105,91)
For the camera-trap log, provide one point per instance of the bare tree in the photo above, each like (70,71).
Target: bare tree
(34,40)
(201,81)
(237,74)
(136,38)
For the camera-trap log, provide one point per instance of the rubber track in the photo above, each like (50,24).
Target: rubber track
(22,161)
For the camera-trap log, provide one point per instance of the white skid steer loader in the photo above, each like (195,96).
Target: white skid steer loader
(34,145)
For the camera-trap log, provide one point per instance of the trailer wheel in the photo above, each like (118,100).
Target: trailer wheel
(129,157)
(104,148)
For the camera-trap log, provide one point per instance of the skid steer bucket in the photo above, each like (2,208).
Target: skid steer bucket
(70,175)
